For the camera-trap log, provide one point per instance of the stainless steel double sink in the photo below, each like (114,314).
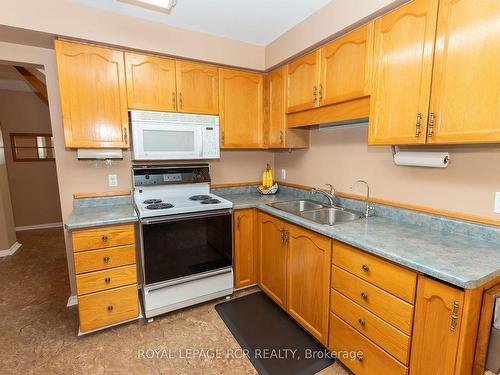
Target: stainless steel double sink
(317,212)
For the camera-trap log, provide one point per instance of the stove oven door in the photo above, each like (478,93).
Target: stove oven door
(182,247)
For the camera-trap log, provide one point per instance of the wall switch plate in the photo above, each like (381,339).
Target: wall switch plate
(283,174)
(497,202)
(112,180)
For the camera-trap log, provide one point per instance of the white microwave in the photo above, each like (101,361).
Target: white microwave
(174,136)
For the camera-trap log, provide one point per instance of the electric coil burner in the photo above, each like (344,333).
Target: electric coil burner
(187,243)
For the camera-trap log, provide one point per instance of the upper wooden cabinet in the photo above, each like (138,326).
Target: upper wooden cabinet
(276,133)
(303,82)
(197,87)
(436,329)
(93,96)
(345,67)
(465,99)
(241,108)
(150,83)
(403,49)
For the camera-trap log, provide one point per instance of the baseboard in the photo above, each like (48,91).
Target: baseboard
(39,226)
(72,301)
(12,250)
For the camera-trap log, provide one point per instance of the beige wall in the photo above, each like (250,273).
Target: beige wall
(7,227)
(70,19)
(329,20)
(342,156)
(33,185)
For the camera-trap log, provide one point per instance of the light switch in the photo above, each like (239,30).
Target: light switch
(112,180)
(283,174)
(497,202)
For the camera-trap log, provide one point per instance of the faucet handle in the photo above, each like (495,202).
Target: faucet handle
(332,189)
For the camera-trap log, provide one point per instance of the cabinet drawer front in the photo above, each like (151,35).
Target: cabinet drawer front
(95,260)
(381,333)
(374,360)
(104,308)
(107,279)
(100,238)
(390,277)
(391,309)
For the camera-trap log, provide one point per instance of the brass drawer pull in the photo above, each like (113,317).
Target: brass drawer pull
(107,280)
(361,322)
(106,259)
(364,295)
(431,124)
(365,267)
(360,357)
(104,238)
(454,316)
(110,308)
(419,121)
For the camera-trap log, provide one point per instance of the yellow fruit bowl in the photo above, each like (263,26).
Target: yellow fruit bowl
(268,191)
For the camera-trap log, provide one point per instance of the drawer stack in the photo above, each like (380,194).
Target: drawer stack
(106,275)
(371,311)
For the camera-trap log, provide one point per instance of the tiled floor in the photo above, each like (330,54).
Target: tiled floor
(38,332)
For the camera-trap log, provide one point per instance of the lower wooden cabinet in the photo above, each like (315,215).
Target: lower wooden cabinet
(437,326)
(295,272)
(245,254)
(106,275)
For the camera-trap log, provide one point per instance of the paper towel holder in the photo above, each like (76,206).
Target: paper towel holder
(395,150)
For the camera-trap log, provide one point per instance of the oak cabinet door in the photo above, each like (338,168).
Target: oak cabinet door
(150,82)
(403,55)
(308,280)
(93,96)
(345,67)
(241,108)
(272,258)
(197,87)
(245,270)
(436,328)
(303,82)
(465,100)
(275,126)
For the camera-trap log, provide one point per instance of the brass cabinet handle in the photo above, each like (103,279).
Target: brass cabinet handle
(287,237)
(359,357)
(125,135)
(365,267)
(223,137)
(419,122)
(173,99)
(105,259)
(320,92)
(110,308)
(238,222)
(364,295)
(282,137)
(315,94)
(180,100)
(107,280)
(454,316)
(431,124)
(361,322)
(104,238)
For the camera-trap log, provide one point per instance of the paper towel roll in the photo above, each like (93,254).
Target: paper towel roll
(422,159)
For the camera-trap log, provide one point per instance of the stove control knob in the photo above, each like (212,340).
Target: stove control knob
(146,177)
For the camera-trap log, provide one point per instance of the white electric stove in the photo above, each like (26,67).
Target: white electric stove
(186,237)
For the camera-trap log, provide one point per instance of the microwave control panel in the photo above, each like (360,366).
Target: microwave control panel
(211,148)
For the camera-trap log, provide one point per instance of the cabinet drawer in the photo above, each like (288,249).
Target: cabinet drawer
(99,238)
(381,333)
(104,308)
(390,277)
(386,306)
(95,260)
(107,279)
(373,360)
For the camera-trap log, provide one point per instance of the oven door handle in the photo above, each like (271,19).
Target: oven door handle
(166,219)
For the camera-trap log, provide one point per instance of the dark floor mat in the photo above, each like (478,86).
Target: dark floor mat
(276,344)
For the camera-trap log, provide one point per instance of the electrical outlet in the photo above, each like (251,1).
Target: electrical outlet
(497,202)
(112,180)
(283,174)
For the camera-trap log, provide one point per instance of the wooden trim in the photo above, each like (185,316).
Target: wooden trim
(38,86)
(349,110)
(483,339)
(117,193)
(234,184)
(407,206)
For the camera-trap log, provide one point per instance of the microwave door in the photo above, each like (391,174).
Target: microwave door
(166,142)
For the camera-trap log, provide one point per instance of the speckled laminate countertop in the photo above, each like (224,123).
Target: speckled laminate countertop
(464,261)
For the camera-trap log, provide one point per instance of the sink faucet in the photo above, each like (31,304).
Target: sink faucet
(369,207)
(331,196)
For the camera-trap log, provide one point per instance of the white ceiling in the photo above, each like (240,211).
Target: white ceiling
(253,21)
